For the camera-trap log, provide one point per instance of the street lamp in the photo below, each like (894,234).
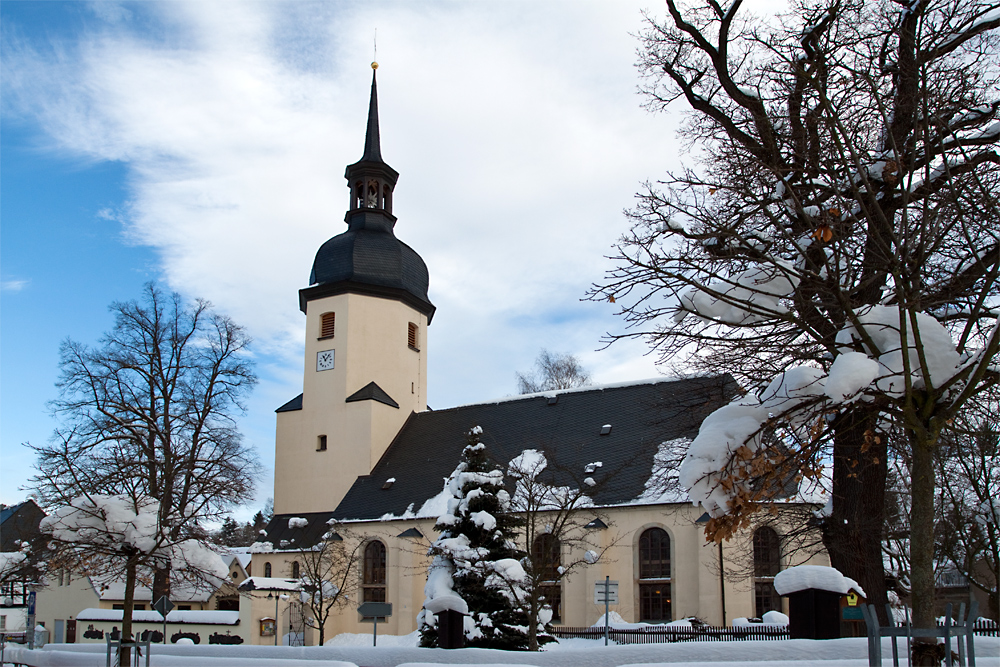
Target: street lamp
(277,624)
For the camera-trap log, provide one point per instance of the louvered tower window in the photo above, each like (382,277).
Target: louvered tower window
(411,336)
(326,325)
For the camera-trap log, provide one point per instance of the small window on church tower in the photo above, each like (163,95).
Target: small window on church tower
(326,325)
(321,443)
(411,339)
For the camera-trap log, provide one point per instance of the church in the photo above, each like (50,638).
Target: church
(359,457)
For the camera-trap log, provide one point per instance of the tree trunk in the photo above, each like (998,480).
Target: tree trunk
(533,607)
(853,532)
(125,654)
(922,445)
(161,582)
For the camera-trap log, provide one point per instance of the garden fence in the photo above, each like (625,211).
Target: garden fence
(668,633)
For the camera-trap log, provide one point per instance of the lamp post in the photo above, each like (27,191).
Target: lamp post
(277,624)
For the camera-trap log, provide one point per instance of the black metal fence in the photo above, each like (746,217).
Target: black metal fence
(672,633)
(669,633)
(985,628)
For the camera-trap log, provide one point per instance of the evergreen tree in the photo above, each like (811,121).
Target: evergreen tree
(477,568)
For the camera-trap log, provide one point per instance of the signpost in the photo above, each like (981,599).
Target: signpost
(375,611)
(31,619)
(606,593)
(163,605)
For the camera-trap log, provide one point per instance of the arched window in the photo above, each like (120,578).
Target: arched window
(766,563)
(545,558)
(267,569)
(295,569)
(326,325)
(387,198)
(654,576)
(373,579)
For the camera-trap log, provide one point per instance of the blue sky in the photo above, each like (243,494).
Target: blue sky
(203,145)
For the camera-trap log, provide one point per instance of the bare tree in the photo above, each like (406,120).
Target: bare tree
(558,530)
(552,371)
(969,473)
(329,574)
(147,428)
(836,250)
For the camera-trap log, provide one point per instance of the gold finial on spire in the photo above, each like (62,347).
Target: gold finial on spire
(374,65)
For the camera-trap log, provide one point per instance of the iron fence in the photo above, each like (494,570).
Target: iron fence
(671,633)
(668,633)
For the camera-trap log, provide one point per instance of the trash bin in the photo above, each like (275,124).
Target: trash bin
(451,629)
(41,636)
(814,614)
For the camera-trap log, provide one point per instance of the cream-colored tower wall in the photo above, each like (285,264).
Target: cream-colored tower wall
(370,344)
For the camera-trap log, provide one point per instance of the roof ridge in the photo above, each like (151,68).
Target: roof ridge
(578,390)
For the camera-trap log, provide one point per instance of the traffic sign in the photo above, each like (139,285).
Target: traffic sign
(375,609)
(163,605)
(606,592)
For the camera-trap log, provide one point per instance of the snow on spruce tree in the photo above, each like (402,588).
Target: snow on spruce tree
(476,568)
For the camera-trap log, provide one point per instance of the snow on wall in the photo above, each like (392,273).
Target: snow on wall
(200,617)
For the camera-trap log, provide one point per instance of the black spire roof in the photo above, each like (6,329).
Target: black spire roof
(368,258)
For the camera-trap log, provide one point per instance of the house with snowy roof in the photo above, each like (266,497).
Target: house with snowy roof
(85,608)
(359,456)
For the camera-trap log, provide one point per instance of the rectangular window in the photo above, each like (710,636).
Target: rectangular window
(326,325)
(654,602)
(411,339)
(117,606)
(321,443)
(3,622)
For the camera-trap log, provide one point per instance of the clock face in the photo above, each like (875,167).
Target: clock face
(324,360)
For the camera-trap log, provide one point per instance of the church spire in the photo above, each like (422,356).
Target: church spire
(373,146)
(370,179)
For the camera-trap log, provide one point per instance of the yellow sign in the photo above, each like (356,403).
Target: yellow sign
(852,599)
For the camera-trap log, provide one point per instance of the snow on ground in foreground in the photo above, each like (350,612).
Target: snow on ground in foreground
(787,653)
(411,640)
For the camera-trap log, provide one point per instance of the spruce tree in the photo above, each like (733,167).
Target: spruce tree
(477,567)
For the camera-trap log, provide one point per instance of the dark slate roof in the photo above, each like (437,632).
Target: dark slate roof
(282,537)
(294,404)
(369,260)
(430,444)
(372,392)
(19,522)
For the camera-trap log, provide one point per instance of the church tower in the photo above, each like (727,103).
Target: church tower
(367,313)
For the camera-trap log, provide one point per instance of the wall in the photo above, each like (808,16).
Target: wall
(370,345)
(695,585)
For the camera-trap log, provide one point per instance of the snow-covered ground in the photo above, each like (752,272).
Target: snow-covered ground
(352,650)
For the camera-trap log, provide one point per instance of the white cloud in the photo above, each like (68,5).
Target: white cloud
(515,128)
(14,285)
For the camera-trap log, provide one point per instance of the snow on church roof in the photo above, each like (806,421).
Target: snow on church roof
(568,430)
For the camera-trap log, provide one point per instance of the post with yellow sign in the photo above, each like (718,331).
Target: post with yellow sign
(852,620)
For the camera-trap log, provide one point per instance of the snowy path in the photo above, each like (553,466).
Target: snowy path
(790,653)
